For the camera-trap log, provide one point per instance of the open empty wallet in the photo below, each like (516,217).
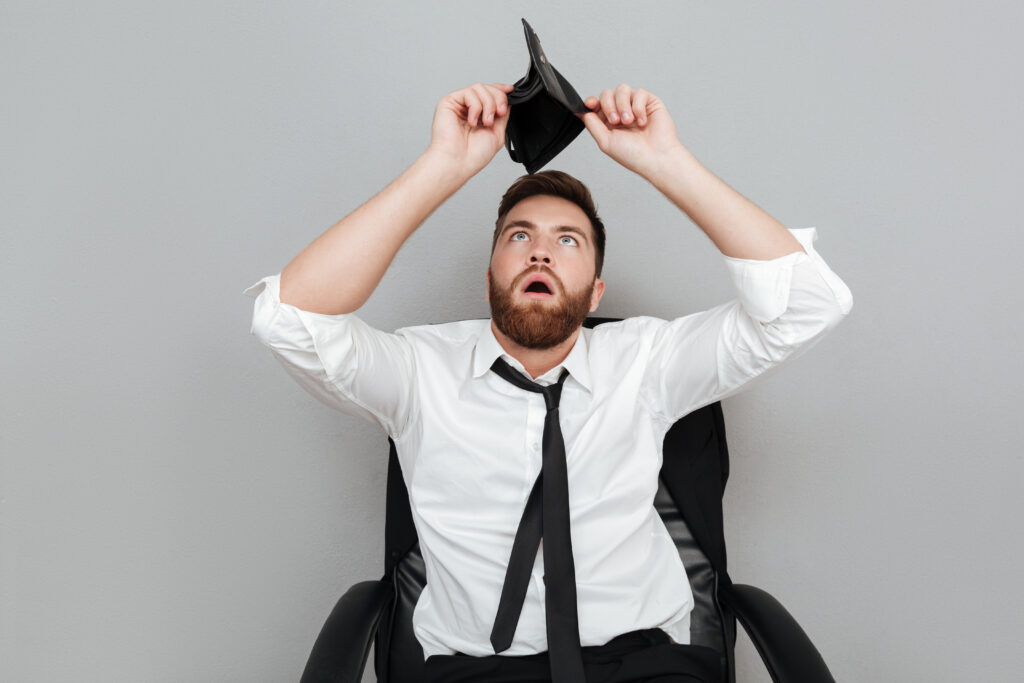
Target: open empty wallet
(542,111)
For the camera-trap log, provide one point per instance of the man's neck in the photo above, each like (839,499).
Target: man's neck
(536,361)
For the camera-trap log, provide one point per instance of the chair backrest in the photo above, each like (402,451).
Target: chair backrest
(695,468)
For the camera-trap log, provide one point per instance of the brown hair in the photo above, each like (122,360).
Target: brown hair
(559,184)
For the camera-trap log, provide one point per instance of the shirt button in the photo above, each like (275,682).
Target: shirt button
(535,446)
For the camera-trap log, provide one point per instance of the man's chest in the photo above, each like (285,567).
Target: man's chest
(474,456)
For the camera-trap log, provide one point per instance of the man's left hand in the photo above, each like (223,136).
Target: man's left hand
(631,126)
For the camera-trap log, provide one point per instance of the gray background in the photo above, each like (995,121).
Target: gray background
(174,508)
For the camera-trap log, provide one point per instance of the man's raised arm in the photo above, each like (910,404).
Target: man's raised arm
(788,298)
(339,270)
(634,128)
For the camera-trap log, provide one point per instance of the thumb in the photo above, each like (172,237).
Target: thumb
(596,127)
(499,125)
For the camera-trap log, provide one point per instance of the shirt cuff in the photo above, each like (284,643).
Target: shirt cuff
(763,286)
(265,307)
(254,290)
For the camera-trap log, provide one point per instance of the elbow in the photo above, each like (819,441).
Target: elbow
(801,329)
(836,309)
(814,309)
(835,312)
(807,318)
(832,316)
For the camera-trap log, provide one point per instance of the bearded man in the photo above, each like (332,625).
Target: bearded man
(529,444)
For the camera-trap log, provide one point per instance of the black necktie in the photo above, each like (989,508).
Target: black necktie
(547,514)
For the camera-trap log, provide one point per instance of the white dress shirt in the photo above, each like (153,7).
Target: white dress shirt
(469,442)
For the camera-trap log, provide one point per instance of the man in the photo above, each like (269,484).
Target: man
(469,439)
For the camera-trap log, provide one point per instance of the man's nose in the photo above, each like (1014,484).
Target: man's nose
(540,253)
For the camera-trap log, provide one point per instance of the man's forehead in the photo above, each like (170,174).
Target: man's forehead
(548,209)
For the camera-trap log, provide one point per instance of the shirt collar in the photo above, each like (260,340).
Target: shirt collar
(487,349)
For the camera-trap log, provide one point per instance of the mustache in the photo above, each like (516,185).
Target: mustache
(537,269)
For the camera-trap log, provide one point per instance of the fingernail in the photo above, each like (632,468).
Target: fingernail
(614,116)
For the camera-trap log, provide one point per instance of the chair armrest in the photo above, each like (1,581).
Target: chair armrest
(787,652)
(340,651)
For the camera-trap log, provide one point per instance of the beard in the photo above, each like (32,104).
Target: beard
(538,324)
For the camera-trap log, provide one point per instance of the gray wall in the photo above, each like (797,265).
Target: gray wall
(174,508)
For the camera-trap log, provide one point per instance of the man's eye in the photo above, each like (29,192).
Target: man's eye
(516,235)
(567,237)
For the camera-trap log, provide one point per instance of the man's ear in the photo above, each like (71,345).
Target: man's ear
(595,297)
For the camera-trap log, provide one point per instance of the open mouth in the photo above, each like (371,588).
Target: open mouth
(538,290)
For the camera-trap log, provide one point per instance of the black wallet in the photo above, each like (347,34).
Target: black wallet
(542,117)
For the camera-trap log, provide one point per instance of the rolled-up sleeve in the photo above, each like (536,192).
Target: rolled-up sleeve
(339,359)
(783,307)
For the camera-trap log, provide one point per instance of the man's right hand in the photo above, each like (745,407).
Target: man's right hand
(469,125)
(339,270)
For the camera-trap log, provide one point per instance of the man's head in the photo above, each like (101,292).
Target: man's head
(557,184)
(546,256)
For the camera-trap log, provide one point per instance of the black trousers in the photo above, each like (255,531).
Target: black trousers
(646,656)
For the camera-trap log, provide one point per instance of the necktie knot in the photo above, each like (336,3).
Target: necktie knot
(552,393)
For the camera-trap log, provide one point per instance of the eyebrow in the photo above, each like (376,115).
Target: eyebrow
(532,226)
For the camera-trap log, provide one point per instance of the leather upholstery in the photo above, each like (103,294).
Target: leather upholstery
(404,655)
(706,618)
(787,652)
(353,621)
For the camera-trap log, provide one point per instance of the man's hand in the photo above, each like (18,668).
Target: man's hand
(469,125)
(631,126)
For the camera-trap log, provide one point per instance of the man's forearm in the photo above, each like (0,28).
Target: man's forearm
(737,226)
(339,270)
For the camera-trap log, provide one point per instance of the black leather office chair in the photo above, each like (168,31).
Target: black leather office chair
(694,471)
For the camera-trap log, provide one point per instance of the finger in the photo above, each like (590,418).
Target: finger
(623,97)
(640,99)
(597,128)
(472,102)
(487,99)
(500,98)
(608,105)
(593,103)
